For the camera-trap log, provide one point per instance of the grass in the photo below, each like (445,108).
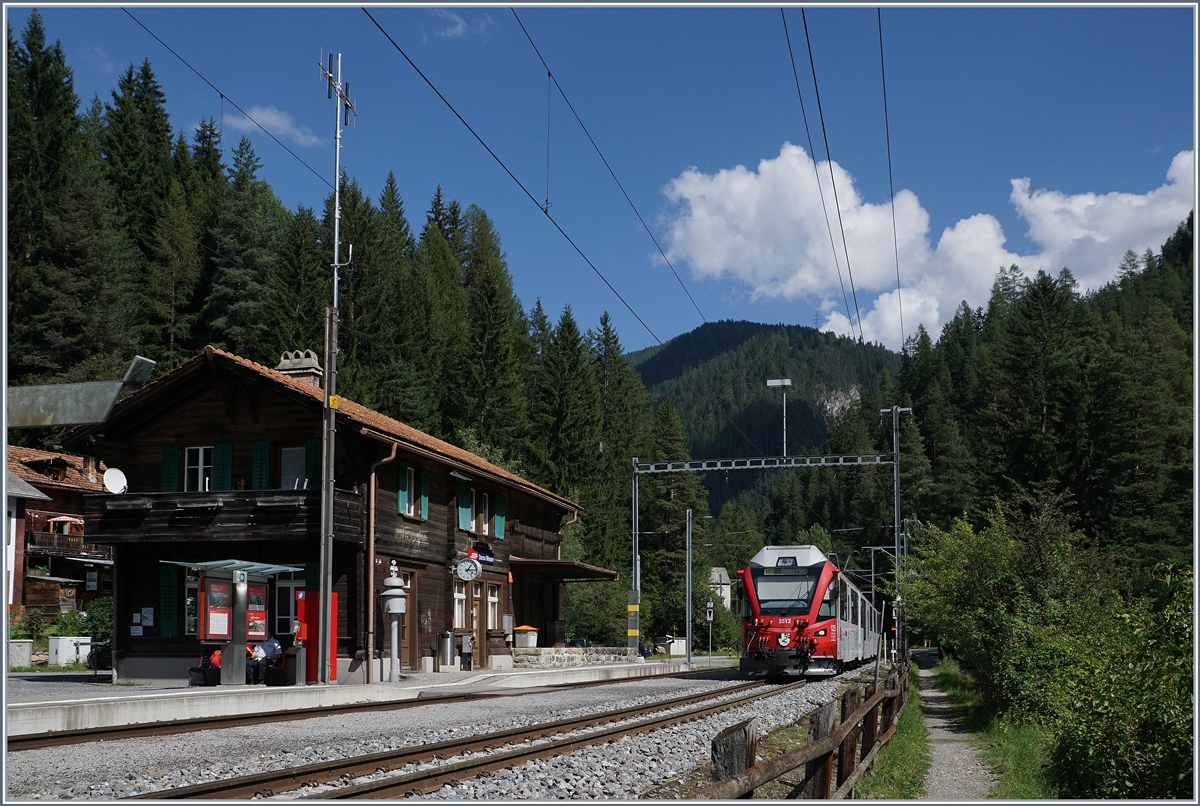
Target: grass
(1016,753)
(902,764)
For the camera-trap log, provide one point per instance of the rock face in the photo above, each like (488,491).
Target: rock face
(562,657)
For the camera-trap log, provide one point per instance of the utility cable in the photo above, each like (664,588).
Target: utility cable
(225,97)
(829,158)
(891,187)
(812,153)
(633,206)
(549,96)
(525,190)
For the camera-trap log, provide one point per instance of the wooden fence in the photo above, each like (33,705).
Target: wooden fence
(874,721)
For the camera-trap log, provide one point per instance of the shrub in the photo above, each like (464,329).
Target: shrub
(73,622)
(100,619)
(32,626)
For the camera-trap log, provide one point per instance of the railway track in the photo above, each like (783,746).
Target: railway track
(527,742)
(35,741)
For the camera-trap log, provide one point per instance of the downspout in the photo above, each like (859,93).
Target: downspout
(558,548)
(371,561)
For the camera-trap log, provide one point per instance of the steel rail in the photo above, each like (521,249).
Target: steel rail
(423,782)
(171,727)
(268,784)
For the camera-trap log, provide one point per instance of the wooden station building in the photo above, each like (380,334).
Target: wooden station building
(222,458)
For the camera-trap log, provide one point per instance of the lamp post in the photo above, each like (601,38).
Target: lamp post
(784,383)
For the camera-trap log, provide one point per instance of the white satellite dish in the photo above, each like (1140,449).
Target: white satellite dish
(114,481)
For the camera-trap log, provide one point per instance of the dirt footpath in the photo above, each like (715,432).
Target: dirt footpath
(955,773)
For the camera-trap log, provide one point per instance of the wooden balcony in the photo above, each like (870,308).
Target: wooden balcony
(64,545)
(230,515)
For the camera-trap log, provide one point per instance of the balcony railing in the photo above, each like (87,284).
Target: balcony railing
(60,544)
(226,515)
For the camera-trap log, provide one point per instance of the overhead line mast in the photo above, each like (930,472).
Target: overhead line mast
(343,107)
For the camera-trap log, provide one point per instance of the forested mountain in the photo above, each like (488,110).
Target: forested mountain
(716,376)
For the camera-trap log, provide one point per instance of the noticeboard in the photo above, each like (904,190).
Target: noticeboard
(216,607)
(256,611)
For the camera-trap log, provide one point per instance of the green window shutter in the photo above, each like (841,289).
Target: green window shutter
(424,495)
(262,465)
(168,601)
(312,456)
(499,519)
(170,468)
(402,491)
(464,507)
(222,477)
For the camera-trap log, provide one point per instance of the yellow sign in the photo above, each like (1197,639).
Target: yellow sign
(333,401)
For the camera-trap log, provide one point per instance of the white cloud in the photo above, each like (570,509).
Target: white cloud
(277,122)
(768,229)
(457,26)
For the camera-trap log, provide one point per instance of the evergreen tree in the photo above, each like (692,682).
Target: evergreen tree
(300,287)
(566,413)
(492,398)
(170,281)
(248,230)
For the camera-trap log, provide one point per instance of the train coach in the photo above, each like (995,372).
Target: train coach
(802,616)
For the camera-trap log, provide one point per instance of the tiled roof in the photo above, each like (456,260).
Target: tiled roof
(23,463)
(361,414)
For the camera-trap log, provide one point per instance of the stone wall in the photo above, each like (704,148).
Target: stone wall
(564,657)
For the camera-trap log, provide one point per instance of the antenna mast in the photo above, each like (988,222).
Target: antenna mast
(343,107)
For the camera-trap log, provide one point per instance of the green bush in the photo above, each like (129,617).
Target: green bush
(100,619)
(33,625)
(73,622)
(1128,730)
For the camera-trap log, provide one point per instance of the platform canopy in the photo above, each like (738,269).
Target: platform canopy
(563,570)
(251,568)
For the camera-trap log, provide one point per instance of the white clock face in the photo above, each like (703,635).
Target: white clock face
(469,569)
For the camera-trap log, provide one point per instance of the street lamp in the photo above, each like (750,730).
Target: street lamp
(784,383)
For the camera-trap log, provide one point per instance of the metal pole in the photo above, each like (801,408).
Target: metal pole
(785,422)
(688,605)
(633,626)
(896,501)
(330,397)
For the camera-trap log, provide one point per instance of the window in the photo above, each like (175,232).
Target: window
(466,508)
(485,526)
(191,604)
(286,586)
(198,469)
(460,605)
(406,503)
(493,605)
(292,469)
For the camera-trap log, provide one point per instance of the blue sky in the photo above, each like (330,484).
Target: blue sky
(1046,137)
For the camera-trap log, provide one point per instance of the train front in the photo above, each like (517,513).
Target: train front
(779,584)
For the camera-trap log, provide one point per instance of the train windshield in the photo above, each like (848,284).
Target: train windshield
(785,591)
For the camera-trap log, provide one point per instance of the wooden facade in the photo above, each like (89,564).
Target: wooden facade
(50,539)
(223,461)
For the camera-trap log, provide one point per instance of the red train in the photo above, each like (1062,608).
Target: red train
(800,615)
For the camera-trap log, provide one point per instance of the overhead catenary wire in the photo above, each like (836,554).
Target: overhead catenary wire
(550,75)
(225,97)
(816,175)
(891,186)
(525,190)
(829,161)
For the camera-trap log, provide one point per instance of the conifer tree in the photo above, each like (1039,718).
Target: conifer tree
(171,279)
(248,229)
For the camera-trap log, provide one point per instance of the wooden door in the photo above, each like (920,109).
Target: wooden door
(478,623)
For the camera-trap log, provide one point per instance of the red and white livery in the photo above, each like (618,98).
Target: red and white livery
(801,615)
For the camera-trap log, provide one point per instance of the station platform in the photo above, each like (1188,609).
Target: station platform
(78,701)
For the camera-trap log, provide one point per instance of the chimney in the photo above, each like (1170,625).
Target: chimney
(302,365)
(89,467)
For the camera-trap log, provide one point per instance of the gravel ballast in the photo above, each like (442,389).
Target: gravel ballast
(621,769)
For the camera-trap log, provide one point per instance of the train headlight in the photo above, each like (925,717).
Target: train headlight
(785,638)
(821,633)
